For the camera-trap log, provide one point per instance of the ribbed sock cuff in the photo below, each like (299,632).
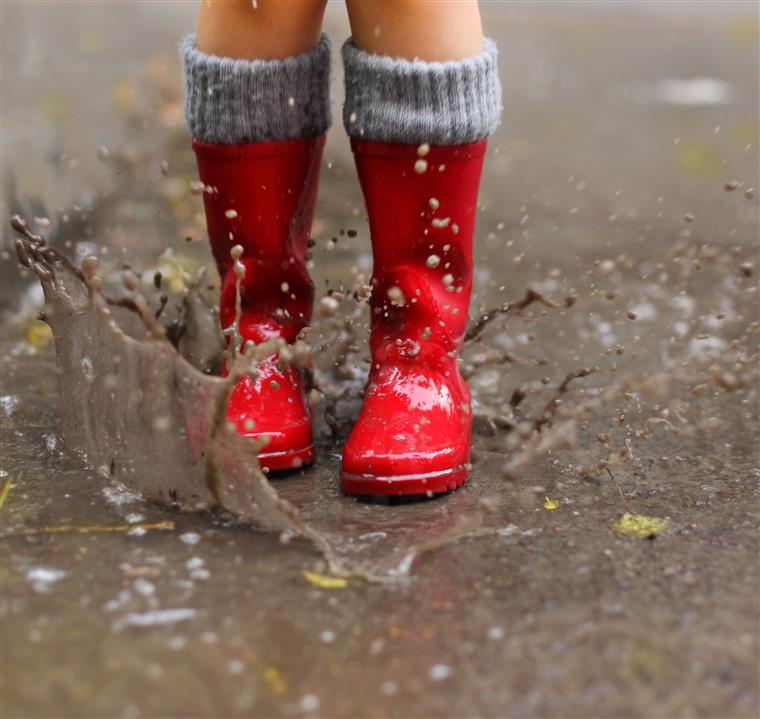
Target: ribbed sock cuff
(409,101)
(233,102)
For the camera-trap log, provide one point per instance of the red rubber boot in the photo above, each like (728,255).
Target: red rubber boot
(412,436)
(262,196)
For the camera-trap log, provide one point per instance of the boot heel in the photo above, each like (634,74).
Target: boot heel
(410,485)
(287,461)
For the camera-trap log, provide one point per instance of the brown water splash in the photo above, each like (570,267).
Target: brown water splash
(139,413)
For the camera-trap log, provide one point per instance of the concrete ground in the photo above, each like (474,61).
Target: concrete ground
(616,573)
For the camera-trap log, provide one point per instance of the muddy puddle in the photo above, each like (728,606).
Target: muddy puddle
(602,559)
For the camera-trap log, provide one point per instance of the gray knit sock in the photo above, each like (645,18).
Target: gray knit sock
(231,102)
(409,101)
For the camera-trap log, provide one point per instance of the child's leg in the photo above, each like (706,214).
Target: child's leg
(266,30)
(418,129)
(258,121)
(425,29)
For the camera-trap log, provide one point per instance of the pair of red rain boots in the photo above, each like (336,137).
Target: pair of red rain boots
(412,436)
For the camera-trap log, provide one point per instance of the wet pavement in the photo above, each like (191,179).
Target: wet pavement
(614,572)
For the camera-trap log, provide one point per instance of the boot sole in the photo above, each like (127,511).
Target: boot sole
(288,460)
(405,485)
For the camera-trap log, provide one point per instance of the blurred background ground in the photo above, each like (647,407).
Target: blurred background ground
(623,177)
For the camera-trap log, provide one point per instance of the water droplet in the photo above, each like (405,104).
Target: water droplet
(439,672)
(309,702)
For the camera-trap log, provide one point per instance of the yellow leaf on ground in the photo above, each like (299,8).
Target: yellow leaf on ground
(56,108)
(699,160)
(638,525)
(323,581)
(743,31)
(275,680)
(551,504)
(7,487)
(38,334)
(124,94)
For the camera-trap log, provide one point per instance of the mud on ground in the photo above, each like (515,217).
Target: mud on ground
(614,572)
